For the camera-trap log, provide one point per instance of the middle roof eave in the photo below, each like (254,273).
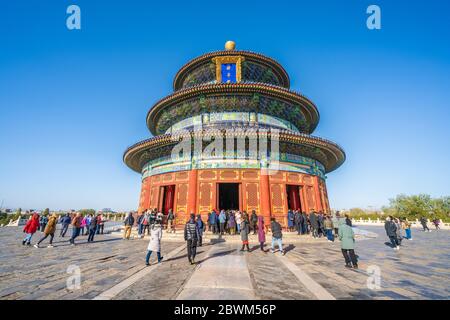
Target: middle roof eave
(309,108)
(335,154)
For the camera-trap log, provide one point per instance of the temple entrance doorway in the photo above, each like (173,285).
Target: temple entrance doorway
(293,197)
(228,196)
(167,199)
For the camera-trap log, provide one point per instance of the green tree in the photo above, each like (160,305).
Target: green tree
(46,212)
(4,218)
(357,212)
(441,208)
(85,212)
(417,206)
(413,207)
(17,215)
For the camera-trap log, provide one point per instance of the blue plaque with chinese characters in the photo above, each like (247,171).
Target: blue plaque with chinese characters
(229,73)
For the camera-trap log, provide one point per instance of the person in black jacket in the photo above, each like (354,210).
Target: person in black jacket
(277,236)
(191,236)
(304,223)
(320,221)
(314,224)
(65,221)
(152,217)
(348,221)
(254,221)
(298,221)
(201,227)
(140,226)
(391,232)
(92,227)
(423,221)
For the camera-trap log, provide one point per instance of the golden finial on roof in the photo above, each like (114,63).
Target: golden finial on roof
(230,45)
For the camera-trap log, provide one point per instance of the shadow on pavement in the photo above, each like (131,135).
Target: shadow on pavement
(66,243)
(289,248)
(217,254)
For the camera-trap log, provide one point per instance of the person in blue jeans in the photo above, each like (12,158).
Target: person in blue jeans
(328,225)
(222,219)
(140,221)
(277,236)
(200,226)
(407,226)
(65,221)
(238,217)
(155,243)
(76,223)
(213,221)
(92,227)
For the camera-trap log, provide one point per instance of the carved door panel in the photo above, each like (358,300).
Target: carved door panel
(279,210)
(205,197)
(251,197)
(181,204)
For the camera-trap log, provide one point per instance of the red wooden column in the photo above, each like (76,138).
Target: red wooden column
(317,192)
(303,201)
(148,198)
(264,195)
(192,193)
(325,197)
(145,194)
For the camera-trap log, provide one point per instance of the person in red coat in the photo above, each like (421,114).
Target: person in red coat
(31,228)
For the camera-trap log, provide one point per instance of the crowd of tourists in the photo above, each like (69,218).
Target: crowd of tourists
(398,229)
(147,219)
(195,227)
(82,225)
(394,227)
(232,222)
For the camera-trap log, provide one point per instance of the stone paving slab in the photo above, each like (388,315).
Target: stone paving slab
(218,293)
(223,275)
(271,279)
(314,288)
(143,272)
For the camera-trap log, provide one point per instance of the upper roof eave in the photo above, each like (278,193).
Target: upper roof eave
(249,55)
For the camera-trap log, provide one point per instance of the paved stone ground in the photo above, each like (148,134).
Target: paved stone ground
(420,270)
(30,273)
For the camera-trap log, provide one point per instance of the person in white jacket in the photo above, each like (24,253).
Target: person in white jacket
(155,243)
(238,221)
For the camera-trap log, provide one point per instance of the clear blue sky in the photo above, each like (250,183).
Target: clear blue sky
(72,101)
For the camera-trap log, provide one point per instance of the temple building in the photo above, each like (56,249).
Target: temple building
(233,135)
